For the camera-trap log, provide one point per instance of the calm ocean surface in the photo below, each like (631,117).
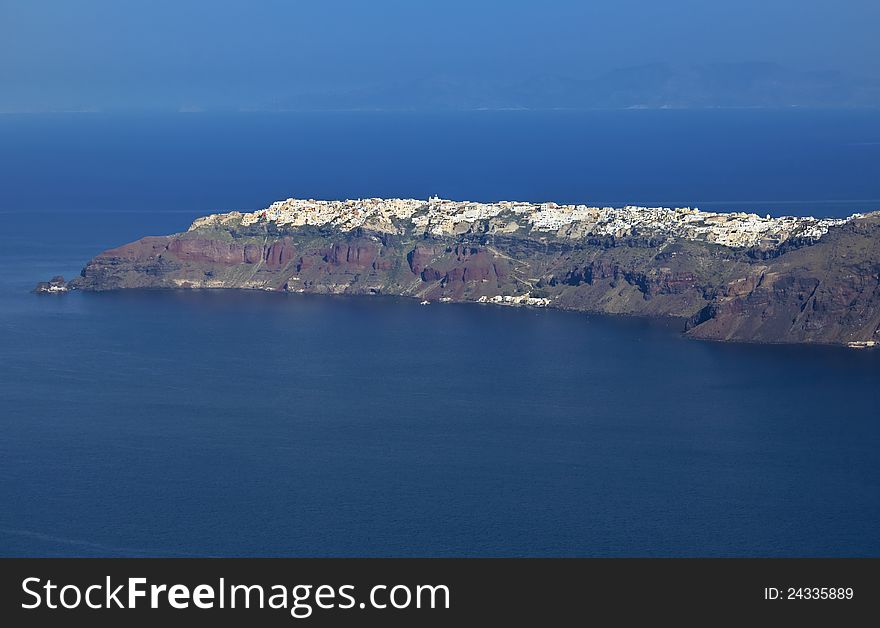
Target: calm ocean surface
(237,423)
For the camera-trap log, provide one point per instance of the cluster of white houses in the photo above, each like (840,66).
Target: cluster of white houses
(441,217)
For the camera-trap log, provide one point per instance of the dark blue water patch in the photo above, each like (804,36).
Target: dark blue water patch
(245,423)
(781,162)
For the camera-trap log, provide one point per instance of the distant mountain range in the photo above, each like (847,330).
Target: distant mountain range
(648,86)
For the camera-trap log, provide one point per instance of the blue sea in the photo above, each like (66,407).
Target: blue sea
(229,423)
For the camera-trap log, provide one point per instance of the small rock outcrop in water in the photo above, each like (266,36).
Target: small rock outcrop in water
(734,277)
(53,286)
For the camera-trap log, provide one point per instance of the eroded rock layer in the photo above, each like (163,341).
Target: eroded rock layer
(730,276)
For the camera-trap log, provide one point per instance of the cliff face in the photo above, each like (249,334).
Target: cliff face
(827,291)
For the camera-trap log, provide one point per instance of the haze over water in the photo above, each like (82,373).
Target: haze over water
(246,423)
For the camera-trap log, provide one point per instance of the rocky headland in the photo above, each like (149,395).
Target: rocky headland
(730,276)
(55,285)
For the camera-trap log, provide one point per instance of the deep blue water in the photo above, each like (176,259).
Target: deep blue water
(238,423)
(782,162)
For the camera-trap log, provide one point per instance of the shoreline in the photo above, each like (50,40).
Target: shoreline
(669,323)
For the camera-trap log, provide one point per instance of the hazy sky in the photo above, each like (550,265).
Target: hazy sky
(139,53)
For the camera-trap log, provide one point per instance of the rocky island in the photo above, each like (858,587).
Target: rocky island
(56,285)
(729,276)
